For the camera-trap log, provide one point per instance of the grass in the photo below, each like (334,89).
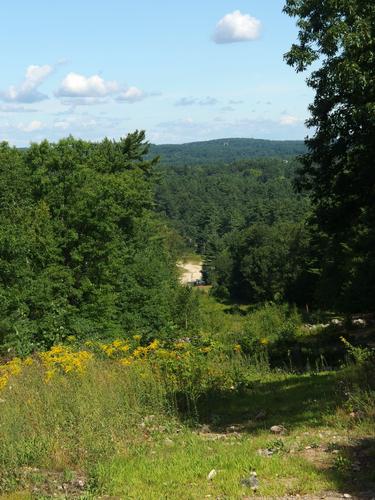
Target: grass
(126,439)
(127,420)
(180,470)
(303,461)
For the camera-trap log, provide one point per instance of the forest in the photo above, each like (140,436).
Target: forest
(224,151)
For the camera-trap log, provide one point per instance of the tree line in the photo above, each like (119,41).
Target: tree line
(82,252)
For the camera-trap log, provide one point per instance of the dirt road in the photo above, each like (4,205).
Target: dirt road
(190,271)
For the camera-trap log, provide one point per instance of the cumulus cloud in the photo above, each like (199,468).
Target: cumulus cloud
(28,91)
(237,27)
(192,101)
(76,85)
(289,120)
(131,94)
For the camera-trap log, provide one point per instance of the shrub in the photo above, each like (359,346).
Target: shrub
(270,325)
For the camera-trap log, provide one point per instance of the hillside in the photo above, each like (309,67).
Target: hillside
(224,151)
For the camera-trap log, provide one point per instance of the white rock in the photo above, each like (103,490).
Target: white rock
(211,475)
(278,429)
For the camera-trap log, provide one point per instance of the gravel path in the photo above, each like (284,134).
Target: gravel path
(190,271)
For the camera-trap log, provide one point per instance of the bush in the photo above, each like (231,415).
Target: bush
(269,326)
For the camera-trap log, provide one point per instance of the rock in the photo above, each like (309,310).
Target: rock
(251,481)
(80,483)
(346,495)
(205,429)
(211,475)
(265,453)
(359,322)
(278,429)
(336,322)
(168,442)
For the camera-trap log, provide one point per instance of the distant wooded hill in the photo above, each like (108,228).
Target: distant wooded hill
(224,151)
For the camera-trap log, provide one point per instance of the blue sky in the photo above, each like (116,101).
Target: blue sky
(183,71)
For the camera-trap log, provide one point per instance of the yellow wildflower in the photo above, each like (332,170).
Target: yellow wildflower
(63,358)
(125,362)
(108,349)
(140,352)
(154,345)
(237,348)
(3,381)
(49,375)
(11,368)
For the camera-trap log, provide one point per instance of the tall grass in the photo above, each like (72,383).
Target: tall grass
(75,420)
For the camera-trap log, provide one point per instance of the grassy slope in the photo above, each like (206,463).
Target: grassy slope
(111,433)
(316,454)
(155,456)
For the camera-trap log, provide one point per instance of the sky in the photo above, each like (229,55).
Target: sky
(181,71)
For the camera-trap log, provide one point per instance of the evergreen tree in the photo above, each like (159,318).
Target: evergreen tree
(81,251)
(339,170)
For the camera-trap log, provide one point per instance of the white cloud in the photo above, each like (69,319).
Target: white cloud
(289,120)
(76,85)
(237,27)
(28,91)
(31,126)
(131,94)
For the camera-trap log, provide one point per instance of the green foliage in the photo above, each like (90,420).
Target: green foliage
(206,202)
(265,262)
(270,326)
(224,151)
(338,169)
(248,223)
(81,251)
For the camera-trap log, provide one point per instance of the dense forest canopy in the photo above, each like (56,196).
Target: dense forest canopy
(81,250)
(224,151)
(247,221)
